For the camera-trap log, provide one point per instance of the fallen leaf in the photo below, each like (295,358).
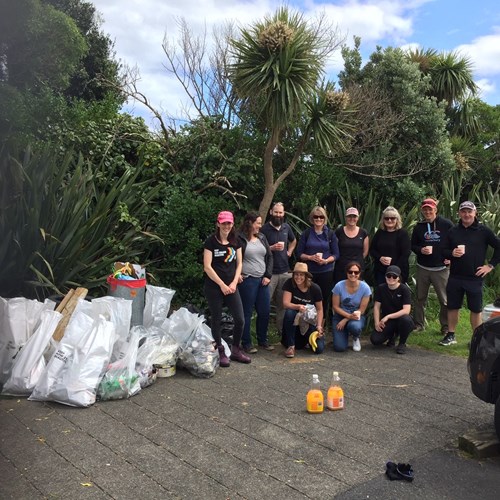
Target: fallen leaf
(87,484)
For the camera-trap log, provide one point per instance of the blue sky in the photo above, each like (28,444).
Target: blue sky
(139,26)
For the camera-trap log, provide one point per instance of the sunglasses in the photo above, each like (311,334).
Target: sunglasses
(353,272)
(318,217)
(392,276)
(389,218)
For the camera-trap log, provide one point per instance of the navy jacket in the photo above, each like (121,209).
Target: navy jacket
(476,238)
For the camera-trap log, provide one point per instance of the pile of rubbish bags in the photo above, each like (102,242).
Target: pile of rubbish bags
(100,357)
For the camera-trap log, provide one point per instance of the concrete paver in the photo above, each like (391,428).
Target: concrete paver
(245,434)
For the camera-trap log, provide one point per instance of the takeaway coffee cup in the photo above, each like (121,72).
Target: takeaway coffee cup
(429,248)
(280,245)
(461,247)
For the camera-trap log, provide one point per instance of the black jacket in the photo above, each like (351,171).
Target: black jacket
(430,234)
(476,238)
(269,254)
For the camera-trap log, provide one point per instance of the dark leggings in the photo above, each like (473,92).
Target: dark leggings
(325,282)
(401,326)
(216,301)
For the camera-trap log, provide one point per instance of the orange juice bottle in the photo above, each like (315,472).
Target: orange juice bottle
(314,400)
(335,395)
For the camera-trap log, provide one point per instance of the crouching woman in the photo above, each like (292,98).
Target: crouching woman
(391,311)
(350,298)
(298,292)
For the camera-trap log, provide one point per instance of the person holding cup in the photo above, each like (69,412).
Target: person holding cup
(390,246)
(466,245)
(432,268)
(350,298)
(282,243)
(318,247)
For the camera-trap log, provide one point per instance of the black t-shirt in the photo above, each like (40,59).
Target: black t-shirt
(392,301)
(351,249)
(311,296)
(223,259)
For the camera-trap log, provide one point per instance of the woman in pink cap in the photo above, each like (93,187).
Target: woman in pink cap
(222,263)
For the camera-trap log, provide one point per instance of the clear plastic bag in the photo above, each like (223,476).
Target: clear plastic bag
(200,357)
(121,380)
(119,312)
(158,301)
(183,325)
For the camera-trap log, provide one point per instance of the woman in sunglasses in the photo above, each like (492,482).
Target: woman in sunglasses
(391,311)
(318,247)
(391,246)
(350,298)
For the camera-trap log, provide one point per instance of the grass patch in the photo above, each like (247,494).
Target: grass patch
(430,337)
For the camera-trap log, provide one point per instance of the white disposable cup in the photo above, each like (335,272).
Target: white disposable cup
(357,314)
(281,245)
(390,260)
(320,255)
(461,247)
(429,247)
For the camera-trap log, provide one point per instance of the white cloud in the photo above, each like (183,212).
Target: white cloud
(138,28)
(484,51)
(486,88)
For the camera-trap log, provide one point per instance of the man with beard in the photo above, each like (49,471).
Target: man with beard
(282,242)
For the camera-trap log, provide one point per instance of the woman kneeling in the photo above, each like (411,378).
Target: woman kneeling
(391,311)
(350,298)
(299,292)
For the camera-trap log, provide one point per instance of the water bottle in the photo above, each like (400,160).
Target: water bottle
(335,395)
(314,400)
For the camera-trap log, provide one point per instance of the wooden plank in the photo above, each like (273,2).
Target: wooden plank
(65,300)
(67,311)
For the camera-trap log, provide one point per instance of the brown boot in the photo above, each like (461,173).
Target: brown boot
(237,354)
(223,359)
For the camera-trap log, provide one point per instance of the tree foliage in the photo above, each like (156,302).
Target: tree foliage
(39,46)
(277,70)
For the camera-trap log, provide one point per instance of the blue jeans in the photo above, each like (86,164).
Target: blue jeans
(254,294)
(341,337)
(292,335)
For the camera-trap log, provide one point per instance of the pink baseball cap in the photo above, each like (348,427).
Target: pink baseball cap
(225,217)
(352,211)
(429,202)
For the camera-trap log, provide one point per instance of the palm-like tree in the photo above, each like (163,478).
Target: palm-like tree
(451,78)
(277,69)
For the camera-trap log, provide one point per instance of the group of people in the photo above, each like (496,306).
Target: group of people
(245,270)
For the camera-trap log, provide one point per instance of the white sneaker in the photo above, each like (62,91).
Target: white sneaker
(356,345)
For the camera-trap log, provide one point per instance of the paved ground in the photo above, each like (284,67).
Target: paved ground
(245,434)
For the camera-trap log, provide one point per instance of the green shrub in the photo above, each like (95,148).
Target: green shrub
(183,223)
(60,229)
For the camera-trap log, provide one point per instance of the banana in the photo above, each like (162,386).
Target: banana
(313,340)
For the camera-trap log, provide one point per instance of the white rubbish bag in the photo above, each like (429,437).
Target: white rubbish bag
(76,368)
(29,363)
